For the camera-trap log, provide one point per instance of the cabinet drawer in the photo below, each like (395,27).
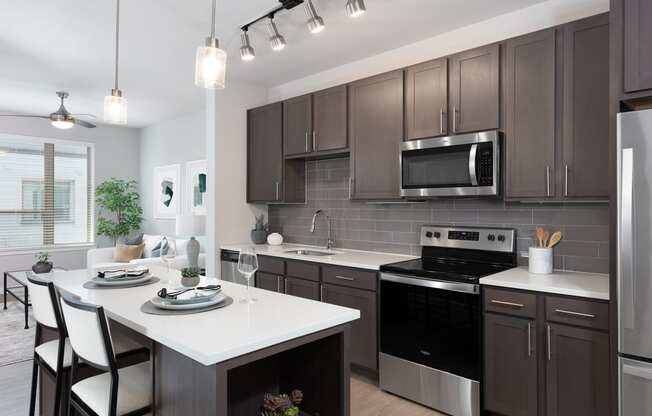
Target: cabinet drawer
(578,312)
(303,270)
(271,265)
(510,302)
(343,276)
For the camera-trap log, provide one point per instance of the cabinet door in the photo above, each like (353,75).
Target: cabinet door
(376,130)
(586,108)
(577,373)
(530,114)
(269,281)
(638,37)
(475,90)
(302,288)
(364,340)
(329,121)
(426,99)
(265,153)
(297,125)
(510,385)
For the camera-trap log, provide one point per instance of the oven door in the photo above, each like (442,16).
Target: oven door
(465,165)
(432,323)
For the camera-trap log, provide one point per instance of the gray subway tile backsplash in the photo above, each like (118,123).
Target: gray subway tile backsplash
(394,228)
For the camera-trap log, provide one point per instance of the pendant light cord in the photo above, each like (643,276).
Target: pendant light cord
(117,41)
(212,20)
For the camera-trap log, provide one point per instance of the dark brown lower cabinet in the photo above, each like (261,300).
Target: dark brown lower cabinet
(302,288)
(269,281)
(577,372)
(364,343)
(510,365)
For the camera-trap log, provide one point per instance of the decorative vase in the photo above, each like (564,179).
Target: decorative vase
(275,239)
(259,236)
(189,281)
(42,267)
(192,250)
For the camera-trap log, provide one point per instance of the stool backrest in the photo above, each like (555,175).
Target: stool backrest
(45,302)
(88,331)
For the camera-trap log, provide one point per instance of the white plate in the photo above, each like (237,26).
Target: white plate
(118,282)
(162,304)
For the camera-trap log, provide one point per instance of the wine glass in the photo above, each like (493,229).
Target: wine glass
(247,265)
(170,254)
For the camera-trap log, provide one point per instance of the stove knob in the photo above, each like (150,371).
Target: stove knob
(501,238)
(491,237)
(428,234)
(437,234)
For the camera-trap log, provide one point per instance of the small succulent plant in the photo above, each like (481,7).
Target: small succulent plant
(282,405)
(190,272)
(260,222)
(43,257)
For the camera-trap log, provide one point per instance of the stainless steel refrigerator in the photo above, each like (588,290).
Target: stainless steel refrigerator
(635,262)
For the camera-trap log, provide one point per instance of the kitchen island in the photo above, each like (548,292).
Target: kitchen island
(223,361)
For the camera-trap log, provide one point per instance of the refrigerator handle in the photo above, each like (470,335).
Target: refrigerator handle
(626,254)
(638,371)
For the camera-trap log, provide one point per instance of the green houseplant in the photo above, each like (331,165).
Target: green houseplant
(119,208)
(43,263)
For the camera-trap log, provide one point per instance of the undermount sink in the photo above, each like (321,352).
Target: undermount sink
(309,253)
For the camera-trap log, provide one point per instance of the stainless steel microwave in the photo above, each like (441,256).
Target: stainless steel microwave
(462,165)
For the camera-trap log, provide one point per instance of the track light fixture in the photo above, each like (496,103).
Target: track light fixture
(276,40)
(355,8)
(315,22)
(246,50)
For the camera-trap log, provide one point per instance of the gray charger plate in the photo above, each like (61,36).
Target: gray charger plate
(149,308)
(92,285)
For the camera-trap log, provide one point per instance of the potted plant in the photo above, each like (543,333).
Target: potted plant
(119,208)
(189,276)
(260,231)
(42,265)
(282,405)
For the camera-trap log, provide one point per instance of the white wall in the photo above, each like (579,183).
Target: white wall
(230,218)
(175,141)
(116,155)
(540,16)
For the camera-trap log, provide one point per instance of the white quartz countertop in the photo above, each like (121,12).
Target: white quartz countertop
(218,335)
(586,285)
(341,257)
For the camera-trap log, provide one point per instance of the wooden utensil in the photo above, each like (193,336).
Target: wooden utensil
(539,235)
(546,236)
(554,239)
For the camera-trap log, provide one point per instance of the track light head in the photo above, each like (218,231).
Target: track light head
(355,8)
(315,22)
(246,50)
(276,40)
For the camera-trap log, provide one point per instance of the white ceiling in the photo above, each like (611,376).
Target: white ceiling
(50,45)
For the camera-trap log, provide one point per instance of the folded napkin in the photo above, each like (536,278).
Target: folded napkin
(121,274)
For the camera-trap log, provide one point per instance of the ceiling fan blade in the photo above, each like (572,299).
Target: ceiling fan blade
(23,115)
(84,115)
(84,123)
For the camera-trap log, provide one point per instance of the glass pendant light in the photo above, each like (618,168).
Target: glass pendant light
(355,8)
(115,105)
(210,62)
(276,40)
(315,22)
(246,50)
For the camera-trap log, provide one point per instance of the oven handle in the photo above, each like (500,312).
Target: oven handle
(433,284)
(472,171)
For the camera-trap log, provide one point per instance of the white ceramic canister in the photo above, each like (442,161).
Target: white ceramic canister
(540,260)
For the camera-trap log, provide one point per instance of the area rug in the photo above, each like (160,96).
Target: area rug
(16,343)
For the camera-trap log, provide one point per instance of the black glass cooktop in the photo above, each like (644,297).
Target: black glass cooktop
(456,270)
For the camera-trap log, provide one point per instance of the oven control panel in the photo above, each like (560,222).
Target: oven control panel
(476,238)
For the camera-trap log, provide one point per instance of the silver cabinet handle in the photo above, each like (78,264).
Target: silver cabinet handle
(441,120)
(454,119)
(321,293)
(285,286)
(547,180)
(503,303)
(278,284)
(472,170)
(307,150)
(314,140)
(350,187)
(277,191)
(529,339)
(627,301)
(577,314)
(549,344)
(566,180)
(345,278)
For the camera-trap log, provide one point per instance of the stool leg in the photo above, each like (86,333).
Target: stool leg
(32,398)
(57,394)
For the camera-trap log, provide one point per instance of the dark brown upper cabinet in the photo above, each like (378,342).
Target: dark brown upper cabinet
(426,100)
(531,112)
(475,90)
(329,119)
(585,150)
(265,153)
(637,32)
(297,125)
(375,131)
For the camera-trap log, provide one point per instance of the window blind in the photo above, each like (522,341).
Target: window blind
(46,193)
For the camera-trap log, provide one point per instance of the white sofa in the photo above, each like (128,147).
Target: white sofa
(102,258)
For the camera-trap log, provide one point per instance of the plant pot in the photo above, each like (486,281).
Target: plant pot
(42,267)
(259,236)
(189,281)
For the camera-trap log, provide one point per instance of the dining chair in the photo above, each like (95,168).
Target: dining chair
(114,392)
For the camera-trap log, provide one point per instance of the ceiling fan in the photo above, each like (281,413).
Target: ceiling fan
(61,118)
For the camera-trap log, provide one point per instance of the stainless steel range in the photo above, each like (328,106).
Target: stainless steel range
(431,316)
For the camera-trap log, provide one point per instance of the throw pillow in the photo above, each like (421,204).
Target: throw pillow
(125,253)
(161,248)
(133,240)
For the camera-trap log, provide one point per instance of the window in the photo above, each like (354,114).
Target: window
(46,193)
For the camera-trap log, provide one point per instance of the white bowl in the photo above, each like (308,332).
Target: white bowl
(275,239)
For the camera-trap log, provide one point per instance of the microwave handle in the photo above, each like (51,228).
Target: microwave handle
(472,168)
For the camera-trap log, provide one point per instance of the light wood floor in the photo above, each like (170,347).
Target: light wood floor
(366,398)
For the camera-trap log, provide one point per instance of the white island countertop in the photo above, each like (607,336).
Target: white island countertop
(218,335)
(586,285)
(341,257)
